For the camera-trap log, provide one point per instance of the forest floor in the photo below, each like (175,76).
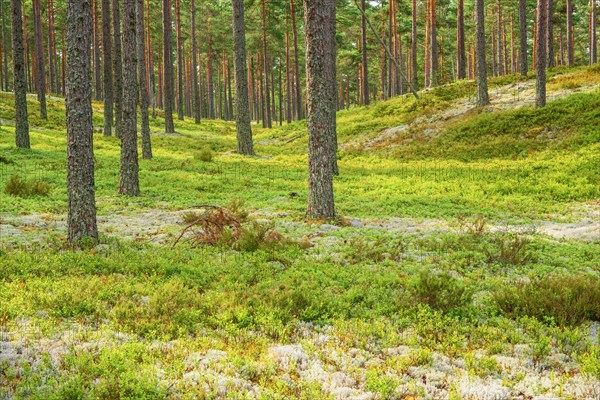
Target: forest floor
(465,263)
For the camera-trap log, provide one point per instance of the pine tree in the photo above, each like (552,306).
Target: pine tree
(244,130)
(117,68)
(107,59)
(482,88)
(541,40)
(81,217)
(20,83)
(168,67)
(40,81)
(523,37)
(128,177)
(196,89)
(142,83)
(320,26)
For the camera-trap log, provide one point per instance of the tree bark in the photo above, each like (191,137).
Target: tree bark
(128,177)
(434,44)
(168,67)
(499,36)
(460,40)
(209,79)
(266,66)
(107,58)
(143,91)
(81,217)
(180,66)
(570,49)
(319,17)
(541,32)
(196,90)
(4,51)
(363,47)
(550,35)
(523,37)
(39,58)
(593,42)
(51,47)
(117,68)
(97,68)
(20,83)
(298,97)
(415,78)
(482,88)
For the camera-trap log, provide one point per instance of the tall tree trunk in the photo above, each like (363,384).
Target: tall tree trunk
(168,67)
(51,52)
(143,91)
(364,64)
(298,97)
(196,90)
(107,58)
(117,68)
(97,68)
(288,75)
(180,66)
(415,78)
(499,46)
(266,66)
(151,74)
(541,32)
(319,17)
(482,88)
(209,79)
(570,48)
(523,37)
(434,44)
(550,35)
(242,115)
(128,177)
(4,51)
(20,83)
(427,57)
(81,219)
(460,40)
(39,58)
(593,42)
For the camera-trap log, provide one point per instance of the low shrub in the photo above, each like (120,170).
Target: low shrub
(205,155)
(509,249)
(441,291)
(560,299)
(19,186)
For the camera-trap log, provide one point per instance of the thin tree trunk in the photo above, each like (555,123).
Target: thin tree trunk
(523,37)
(81,218)
(209,79)
(298,97)
(550,35)
(20,84)
(288,90)
(97,67)
(107,58)
(266,65)
(593,42)
(434,44)
(4,51)
(168,67)
(196,91)
(482,88)
(51,52)
(128,177)
(415,78)
(363,46)
(570,49)
(541,31)
(179,60)
(143,92)
(499,46)
(39,58)
(117,68)
(319,16)
(460,41)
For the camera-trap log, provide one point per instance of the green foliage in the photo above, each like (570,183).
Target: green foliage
(18,186)
(509,249)
(562,299)
(590,362)
(441,291)
(205,155)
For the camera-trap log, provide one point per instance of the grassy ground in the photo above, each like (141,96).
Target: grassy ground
(418,292)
